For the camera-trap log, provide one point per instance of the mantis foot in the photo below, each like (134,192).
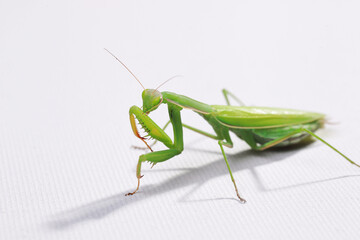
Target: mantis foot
(137,188)
(139,148)
(242,200)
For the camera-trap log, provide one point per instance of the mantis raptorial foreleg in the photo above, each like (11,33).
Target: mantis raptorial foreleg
(157,133)
(152,144)
(185,126)
(174,148)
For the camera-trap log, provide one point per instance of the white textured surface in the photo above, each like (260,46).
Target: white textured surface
(65,157)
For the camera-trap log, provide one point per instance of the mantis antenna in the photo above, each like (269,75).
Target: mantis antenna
(125,67)
(167,81)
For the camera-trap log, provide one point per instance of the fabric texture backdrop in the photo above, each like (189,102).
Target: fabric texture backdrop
(65,140)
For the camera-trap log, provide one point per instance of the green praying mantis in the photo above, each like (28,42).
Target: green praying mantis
(260,127)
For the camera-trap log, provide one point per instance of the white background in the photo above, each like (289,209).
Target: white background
(65,139)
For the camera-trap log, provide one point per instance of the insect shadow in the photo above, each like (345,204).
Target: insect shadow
(247,159)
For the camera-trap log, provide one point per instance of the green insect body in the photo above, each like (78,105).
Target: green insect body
(259,127)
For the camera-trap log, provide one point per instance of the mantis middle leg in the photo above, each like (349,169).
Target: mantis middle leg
(226,142)
(221,144)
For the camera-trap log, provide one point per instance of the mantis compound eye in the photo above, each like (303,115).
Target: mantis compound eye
(151,100)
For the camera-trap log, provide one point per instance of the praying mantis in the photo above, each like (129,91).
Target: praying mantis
(260,127)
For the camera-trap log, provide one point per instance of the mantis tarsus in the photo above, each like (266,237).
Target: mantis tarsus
(260,127)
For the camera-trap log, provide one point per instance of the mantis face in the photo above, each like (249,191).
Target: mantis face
(152,99)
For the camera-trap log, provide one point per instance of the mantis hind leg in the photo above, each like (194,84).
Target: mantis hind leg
(330,146)
(227,93)
(279,140)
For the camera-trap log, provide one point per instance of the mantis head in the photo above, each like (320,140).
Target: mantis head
(152,99)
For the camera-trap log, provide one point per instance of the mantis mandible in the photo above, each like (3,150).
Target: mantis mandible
(260,127)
